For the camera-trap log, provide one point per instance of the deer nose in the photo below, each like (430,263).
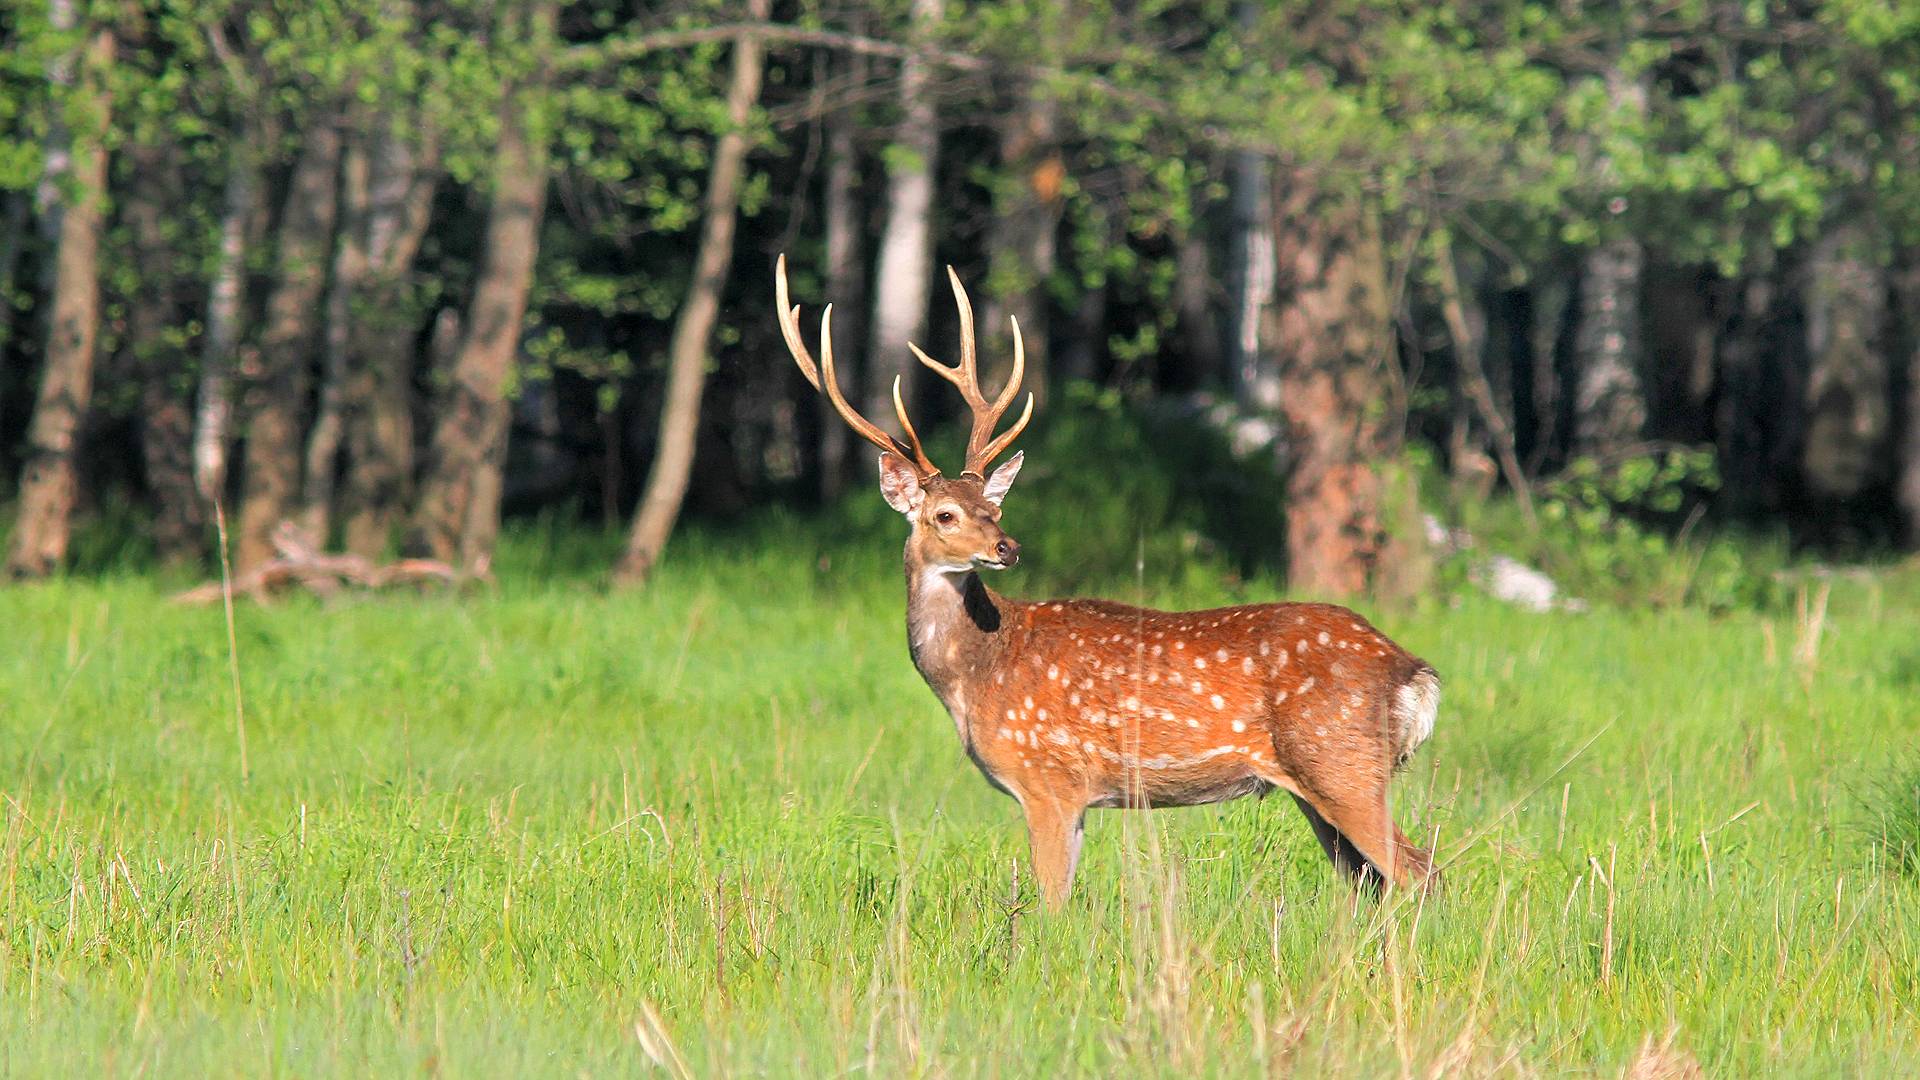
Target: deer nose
(1007,550)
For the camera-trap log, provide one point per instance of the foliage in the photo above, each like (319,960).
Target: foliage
(1629,533)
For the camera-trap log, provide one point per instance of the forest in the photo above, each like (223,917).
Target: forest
(385,271)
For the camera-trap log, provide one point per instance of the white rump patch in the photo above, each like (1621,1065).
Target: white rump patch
(1415,705)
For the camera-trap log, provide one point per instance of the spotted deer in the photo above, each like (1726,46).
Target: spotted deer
(1071,704)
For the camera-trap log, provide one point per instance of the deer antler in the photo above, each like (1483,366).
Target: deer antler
(982,445)
(790,330)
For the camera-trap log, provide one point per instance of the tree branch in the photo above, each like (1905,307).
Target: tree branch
(614,50)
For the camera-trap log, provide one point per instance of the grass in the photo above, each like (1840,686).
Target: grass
(720,827)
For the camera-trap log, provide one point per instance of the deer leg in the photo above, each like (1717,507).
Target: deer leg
(1417,860)
(1054,831)
(1365,825)
(1346,858)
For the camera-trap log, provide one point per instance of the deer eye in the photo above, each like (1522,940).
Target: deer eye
(944,517)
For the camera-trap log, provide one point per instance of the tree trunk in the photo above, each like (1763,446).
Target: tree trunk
(13,241)
(1081,352)
(1610,408)
(1848,392)
(1610,405)
(226,297)
(1022,237)
(379,428)
(1677,312)
(904,273)
(271,486)
(1757,419)
(47,483)
(1548,304)
(1254,376)
(348,278)
(846,281)
(1193,296)
(1469,340)
(1330,326)
(1906,293)
(465,451)
(166,392)
(693,331)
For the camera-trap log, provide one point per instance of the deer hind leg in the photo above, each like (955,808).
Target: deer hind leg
(1362,826)
(1417,860)
(1346,858)
(1054,831)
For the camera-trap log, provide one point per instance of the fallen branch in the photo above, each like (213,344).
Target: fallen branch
(299,566)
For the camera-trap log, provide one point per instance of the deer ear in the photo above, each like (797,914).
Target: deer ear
(1002,478)
(900,483)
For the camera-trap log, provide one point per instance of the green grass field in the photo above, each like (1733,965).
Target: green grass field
(721,827)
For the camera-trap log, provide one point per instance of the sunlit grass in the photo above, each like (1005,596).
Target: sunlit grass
(722,825)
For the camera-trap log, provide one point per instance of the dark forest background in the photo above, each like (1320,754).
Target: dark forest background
(371,274)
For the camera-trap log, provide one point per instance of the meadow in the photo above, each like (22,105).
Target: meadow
(718,826)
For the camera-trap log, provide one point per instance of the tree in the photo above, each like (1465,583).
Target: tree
(1331,326)
(693,330)
(288,331)
(1610,405)
(846,277)
(903,275)
(378,391)
(226,304)
(1907,353)
(77,177)
(1849,391)
(457,515)
(158,350)
(1023,237)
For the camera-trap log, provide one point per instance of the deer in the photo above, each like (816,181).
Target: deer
(1074,704)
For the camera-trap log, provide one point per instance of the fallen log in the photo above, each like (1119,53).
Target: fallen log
(298,566)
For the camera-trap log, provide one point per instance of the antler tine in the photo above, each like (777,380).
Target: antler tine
(823,378)
(982,447)
(1019,371)
(900,410)
(789,317)
(998,445)
(968,365)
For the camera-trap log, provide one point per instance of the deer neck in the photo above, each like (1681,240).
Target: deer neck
(955,628)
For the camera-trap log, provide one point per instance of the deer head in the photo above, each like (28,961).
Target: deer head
(956,521)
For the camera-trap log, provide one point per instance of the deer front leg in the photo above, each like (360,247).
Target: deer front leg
(1054,831)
